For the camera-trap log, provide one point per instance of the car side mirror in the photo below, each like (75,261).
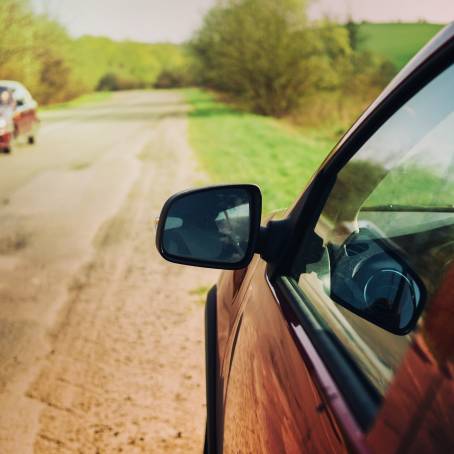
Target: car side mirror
(212,227)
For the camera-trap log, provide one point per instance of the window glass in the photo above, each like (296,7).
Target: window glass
(385,236)
(20,93)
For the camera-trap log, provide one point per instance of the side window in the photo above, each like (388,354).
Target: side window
(385,237)
(21,95)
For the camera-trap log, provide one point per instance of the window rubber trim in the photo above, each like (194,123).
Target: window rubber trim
(361,397)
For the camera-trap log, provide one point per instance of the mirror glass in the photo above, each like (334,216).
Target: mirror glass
(370,279)
(212,225)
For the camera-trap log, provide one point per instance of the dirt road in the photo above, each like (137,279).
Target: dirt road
(101,341)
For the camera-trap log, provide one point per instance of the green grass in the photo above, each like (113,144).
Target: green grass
(399,42)
(413,185)
(89,98)
(235,146)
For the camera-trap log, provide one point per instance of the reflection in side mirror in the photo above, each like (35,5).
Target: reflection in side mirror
(370,279)
(214,227)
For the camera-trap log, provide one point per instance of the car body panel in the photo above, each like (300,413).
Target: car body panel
(26,121)
(274,370)
(7,127)
(5,139)
(418,411)
(418,407)
(231,288)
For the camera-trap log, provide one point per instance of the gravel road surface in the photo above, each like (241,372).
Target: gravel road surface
(101,341)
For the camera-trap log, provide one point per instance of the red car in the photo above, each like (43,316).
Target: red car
(332,328)
(18,116)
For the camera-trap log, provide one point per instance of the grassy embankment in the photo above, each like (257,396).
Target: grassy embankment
(88,98)
(234,146)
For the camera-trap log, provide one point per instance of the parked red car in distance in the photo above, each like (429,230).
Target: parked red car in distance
(18,115)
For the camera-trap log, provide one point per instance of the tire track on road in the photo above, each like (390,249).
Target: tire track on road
(126,370)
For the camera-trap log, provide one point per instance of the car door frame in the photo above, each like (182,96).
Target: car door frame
(24,114)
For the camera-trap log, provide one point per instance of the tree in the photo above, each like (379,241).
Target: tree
(33,50)
(354,34)
(266,53)
(15,23)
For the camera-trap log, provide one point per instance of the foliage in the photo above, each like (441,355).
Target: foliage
(261,52)
(39,52)
(33,50)
(355,36)
(268,56)
(123,65)
(236,146)
(173,78)
(265,53)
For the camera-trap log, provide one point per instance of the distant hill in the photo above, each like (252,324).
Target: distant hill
(399,42)
(100,62)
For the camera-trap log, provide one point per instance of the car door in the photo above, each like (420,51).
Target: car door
(25,111)
(344,342)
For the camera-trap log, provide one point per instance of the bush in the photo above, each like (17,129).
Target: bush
(108,82)
(267,55)
(33,50)
(125,64)
(169,78)
(114,82)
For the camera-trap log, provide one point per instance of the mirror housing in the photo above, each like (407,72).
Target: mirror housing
(211,227)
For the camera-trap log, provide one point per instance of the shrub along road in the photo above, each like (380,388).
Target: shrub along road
(101,342)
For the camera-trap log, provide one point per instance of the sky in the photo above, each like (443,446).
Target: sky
(176,20)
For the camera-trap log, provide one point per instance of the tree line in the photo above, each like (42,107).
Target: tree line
(270,57)
(39,52)
(265,54)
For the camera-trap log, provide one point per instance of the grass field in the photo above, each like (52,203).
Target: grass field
(234,146)
(397,41)
(97,96)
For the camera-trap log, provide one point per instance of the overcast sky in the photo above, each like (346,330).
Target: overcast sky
(176,20)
